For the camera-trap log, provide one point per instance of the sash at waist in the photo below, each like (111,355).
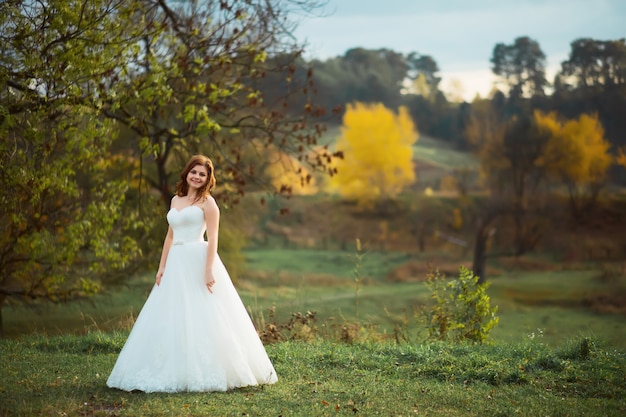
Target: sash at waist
(183,242)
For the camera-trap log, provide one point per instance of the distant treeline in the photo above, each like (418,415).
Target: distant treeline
(591,80)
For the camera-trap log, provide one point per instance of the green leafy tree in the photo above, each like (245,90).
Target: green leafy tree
(194,83)
(593,81)
(595,64)
(426,102)
(171,78)
(364,75)
(522,66)
(61,226)
(422,72)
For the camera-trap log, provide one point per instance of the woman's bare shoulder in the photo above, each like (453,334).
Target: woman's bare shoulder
(210,205)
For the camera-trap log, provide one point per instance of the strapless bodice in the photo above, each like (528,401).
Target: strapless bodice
(188,224)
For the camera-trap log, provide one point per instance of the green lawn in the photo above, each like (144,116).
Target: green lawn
(65,376)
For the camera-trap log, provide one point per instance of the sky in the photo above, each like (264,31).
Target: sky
(460,34)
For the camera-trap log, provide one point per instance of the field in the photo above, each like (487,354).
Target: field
(558,350)
(558,303)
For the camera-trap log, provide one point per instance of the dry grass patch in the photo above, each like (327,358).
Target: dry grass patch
(417,271)
(253,279)
(606,303)
(522,263)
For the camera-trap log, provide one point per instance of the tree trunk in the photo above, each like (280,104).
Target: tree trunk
(1,319)
(421,239)
(480,252)
(519,233)
(484,232)
(164,188)
(574,207)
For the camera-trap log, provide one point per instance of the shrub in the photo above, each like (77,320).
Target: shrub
(299,327)
(461,309)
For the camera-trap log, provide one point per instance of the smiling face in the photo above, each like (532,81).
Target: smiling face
(197,177)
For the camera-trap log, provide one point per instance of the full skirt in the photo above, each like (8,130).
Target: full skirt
(188,339)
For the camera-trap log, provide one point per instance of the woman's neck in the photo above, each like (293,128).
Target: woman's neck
(192,197)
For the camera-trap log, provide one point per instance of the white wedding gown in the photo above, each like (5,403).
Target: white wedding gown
(185,338)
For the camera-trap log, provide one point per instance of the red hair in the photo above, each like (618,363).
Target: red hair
(182,188)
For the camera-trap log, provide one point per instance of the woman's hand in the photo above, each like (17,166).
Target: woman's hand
(209,281)
(159,274)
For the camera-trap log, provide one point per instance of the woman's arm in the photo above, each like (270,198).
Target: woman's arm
(212,219)
(167,244)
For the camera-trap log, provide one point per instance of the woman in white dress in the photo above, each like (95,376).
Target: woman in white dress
(193,332)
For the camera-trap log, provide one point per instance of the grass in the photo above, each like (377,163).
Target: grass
(554,302)
(108,311)
(551,353)
(66,376)
(440,154)
(339,264)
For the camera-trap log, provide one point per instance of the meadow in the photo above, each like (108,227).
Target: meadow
(65,376)
(558,303)
(558,350)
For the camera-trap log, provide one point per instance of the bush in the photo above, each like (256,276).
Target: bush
(299,327)
(462,309)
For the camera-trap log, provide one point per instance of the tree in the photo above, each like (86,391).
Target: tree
(423,69)
(484,126)
(510,153)
(391,78)
(462,309)
(194,84)
(578,155)
(488,214)
(174,77)
(621,157)
(523,144)
(378,157)
(427,104)
(593,81)
(595,64)
(364,75)
(522,66)
(284,171)
(62,228)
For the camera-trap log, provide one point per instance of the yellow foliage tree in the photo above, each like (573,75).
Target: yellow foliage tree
(286,174)
(485,134)
(378,153)
(577,154)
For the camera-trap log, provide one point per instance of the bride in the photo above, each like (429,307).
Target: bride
(193,332)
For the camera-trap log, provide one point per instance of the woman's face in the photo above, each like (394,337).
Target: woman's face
(197,177)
